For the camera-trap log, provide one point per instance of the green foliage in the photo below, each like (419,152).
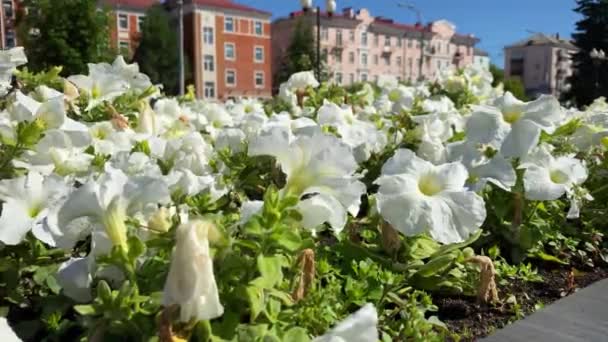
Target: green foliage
(514,84)
(301,53)
(64,33)
(590,78)
(157,52)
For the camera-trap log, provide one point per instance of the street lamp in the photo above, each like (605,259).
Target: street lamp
(597,57)
(182,76)
(330,8)
(415,9)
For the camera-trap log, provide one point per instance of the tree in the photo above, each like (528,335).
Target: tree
(590,78)
(67,33)
(514,85)
(157,53)
(301,53)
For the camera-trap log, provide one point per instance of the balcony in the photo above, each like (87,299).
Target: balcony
(387,51)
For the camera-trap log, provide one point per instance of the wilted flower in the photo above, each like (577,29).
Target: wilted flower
(191,282)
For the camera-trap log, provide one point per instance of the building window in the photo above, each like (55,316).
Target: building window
(259,79)
(324,33)
(399,60)
(208,35)
(351,57)
(409,43)
(339,37)
(140,22)
(258,54)
(259,28)
(438,65)
(209,90)
(375,59)
(399,42)
(387,60)
(351,36)
(123,47)
(229,24)
(229,52)
(123,21)
(338,57)
(469,51)
(364,38)
(376,39)
(364,59)
(10,39)
(352,78)
(387,41)
(8,8)
(339,78)
(230,78)
(325,55)
(208,63)
(363,77)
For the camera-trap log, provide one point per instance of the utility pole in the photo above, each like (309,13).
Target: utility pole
(182,76)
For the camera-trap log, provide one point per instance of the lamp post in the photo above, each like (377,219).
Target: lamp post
(597,57)
(182,76)
(415,9)
(331,8)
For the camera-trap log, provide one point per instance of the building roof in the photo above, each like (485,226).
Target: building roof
(230,5)
(479,52)
(543,39)
(131,4)
(335,19)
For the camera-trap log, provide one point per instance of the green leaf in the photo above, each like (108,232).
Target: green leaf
(454,246)
(86,310)
(270,270)
(422,247)
(255,297)
(136,248)
(296,334)
(290,240)
(437,265)
(547,257)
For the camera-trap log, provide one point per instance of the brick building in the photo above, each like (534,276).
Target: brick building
(360,47)
(125,26)
(228,47)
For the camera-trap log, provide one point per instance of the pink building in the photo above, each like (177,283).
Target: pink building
(360,47)
(542,62)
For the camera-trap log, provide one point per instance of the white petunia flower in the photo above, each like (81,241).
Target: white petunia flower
(482,169)
(513,126)
(362,326)
(301,81)
(191,282)
(361,136)
(9,61)
(416,196)
(27,201)
(317,164)
(100,88)
(6,332)
(548,178)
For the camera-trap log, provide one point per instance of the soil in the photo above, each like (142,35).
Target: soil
(469,321)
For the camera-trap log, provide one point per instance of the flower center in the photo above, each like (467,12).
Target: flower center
(35,209)
(604,141)
(429,185)
(511,116)
(394,95)
(558,177)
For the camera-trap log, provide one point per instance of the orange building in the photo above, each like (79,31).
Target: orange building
(228,47)
(126,19)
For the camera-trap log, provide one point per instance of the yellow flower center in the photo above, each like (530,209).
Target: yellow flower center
(35,209)
(429,185)
(604,141)
(394,95)
(558,177)
(511,116)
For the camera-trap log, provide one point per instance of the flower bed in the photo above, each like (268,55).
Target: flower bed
(440,210)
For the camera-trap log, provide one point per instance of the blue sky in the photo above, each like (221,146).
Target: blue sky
(496,22)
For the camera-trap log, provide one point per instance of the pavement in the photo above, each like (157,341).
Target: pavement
(582,316)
